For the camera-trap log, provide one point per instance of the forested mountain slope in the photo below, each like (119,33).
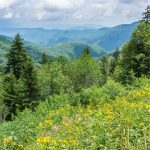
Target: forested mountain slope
(115,36)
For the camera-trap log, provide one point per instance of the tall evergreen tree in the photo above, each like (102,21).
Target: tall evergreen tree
(31,91)
(146,15)
(13,94)
(16,58)
(116,54)
(104,64)
(86,52)
(114,61)
(44,59)
(20,84)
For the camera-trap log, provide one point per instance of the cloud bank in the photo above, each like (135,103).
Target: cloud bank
(48,13)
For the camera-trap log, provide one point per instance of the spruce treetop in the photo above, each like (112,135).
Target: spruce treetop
(146,15)
(16,57)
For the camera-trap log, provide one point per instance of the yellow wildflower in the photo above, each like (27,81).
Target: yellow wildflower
(14,143)
(48,122)
(43,139)
(7,140)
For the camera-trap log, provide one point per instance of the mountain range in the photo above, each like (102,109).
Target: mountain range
(68,42)
(35,51)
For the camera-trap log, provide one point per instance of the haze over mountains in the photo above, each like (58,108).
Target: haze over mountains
(69,42)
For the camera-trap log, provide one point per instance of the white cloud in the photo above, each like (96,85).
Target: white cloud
(107,12)
(6,3)
(9,15)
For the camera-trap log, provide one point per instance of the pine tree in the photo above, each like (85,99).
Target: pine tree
(44,59)
(31,92)
(20,84)
(116,54)
(13,94)
(62,60)
(146,15)
(114,61)
(104,63)
(86,52)
(16,58)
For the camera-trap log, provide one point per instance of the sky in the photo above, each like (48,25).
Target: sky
(69,13)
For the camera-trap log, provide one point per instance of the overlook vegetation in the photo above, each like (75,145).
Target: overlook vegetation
(77,103)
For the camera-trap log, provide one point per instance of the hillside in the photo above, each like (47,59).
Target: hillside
(66,49)
(75,49)
(32,49)
(115,36)
(111,124)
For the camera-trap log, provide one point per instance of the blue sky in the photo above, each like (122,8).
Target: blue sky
(69,13)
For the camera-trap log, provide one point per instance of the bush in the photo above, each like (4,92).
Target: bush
(90,95)
(112,89)
(51,80)
(97,95)
(141,82)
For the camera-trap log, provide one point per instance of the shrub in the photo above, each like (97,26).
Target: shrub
(112,89)
(141,82)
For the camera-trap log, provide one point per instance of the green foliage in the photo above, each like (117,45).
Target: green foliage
(146,15)
(70,50)
(104,68)
(136,54)
(124,76)
(84,107)
(84,72)
(44,59)
(33,50)
(117,123)
(51,80)
(31,91)
(114,61)
(13,94)
(3,108)
(98,95)
(16,58)
(112,89)
(63,99)
(91,95)
(62,60)
(20,83)
(141,83)
(85,52)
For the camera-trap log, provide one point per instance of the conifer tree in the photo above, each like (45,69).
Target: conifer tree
(146,15)
(114,61)
(16,58)
(104,68)
(31,91)
(44,59)
(20,84)
(86,52)
(13,94)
